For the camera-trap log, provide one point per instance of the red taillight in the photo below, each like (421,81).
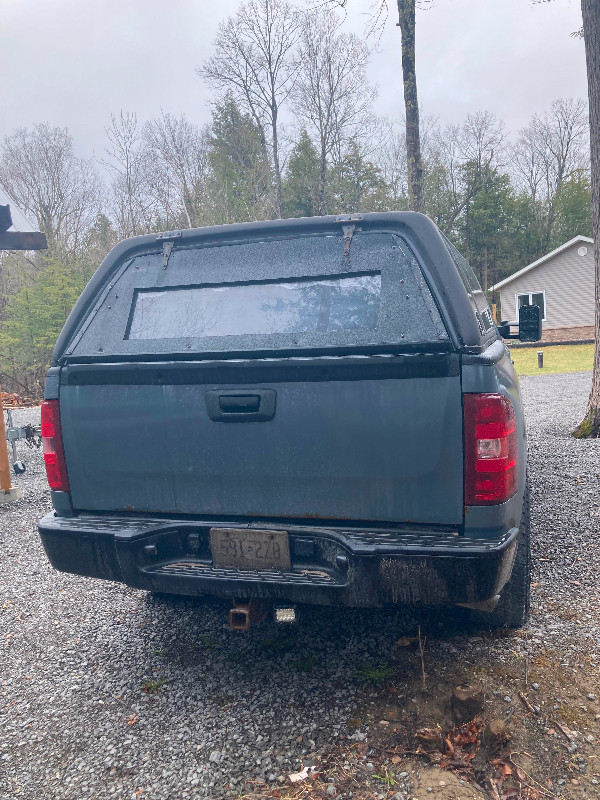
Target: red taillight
(490,449)
(54,457)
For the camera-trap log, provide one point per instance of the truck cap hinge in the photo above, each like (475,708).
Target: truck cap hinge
(348,231)
(167,248)
(167,239)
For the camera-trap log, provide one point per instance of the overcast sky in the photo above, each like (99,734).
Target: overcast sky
(73,62)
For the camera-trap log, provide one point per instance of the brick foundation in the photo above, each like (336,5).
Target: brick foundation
(568,334)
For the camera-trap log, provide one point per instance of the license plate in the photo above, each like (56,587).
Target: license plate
(250,549)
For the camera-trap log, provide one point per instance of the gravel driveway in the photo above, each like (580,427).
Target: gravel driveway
(107,692)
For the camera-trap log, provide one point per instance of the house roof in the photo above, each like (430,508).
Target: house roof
(541,260)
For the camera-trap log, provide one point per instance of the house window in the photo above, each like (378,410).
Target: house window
(533,299)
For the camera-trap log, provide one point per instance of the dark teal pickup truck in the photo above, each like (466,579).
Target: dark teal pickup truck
(302,411)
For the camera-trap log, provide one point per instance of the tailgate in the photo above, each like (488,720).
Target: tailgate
(364,439)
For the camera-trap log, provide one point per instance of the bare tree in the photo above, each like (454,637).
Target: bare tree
(255,61)
(40,171)
(482,139)
(178,149)
(134,208)
(391,159)
(547,152)
(479,142)
(332,97)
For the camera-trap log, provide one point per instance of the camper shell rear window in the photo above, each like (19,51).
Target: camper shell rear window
(337,302)
(295,293)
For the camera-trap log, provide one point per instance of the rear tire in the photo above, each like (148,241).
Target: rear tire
(512,610)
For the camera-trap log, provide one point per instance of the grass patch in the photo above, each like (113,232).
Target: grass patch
(152,686)
(375,674)
(387,778)
(557,359)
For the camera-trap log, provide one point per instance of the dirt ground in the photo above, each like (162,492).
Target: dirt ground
(416,745)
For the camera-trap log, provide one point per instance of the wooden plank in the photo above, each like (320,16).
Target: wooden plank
(4,463)
(16,240)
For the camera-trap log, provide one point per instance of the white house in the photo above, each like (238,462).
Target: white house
(562,284)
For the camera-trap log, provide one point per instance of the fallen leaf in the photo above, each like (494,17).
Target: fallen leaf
(430,737)
(296,777)
(521,775)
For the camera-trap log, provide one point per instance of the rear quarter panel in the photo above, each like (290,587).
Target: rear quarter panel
(493,371)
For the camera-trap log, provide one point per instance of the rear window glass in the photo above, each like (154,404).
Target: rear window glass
(317,305)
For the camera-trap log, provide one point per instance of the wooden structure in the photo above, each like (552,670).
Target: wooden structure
(12,240)
(13,400)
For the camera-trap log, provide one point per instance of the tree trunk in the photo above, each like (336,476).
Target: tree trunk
(406,17)
(591,34)
(276,164)
(322,180)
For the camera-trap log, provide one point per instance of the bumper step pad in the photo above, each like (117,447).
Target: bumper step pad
(307,577)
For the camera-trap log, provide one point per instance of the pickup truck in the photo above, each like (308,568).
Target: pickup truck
(316,410)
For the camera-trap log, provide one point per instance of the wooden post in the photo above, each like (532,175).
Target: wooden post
(4,464)
(7,492)
(12,240)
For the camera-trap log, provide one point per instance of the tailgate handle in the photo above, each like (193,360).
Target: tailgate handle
(240,405)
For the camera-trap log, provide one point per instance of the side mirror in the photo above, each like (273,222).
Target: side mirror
(504,329)
(530,323)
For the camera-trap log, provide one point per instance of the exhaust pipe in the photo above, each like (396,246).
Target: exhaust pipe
(243,615)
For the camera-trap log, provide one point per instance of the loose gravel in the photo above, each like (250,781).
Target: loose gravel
(108,692)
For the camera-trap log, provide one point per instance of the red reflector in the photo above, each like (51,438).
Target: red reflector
(490,449)
(54,457)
